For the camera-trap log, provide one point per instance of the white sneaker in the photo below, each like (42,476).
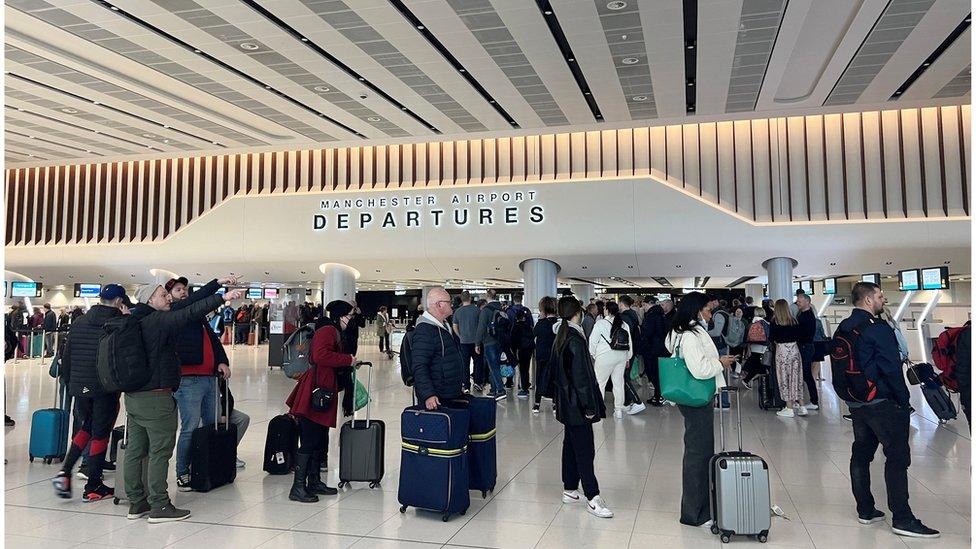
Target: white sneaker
(801,411)
(786,412)
(571,496)
(618,413)
(636,408)
(813,407)
(598,508)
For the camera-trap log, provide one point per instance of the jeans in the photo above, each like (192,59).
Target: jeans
(884,423)
(196,399)
(240,333)
(152,426)
(467,353)
(699,442)
(578,454)
(493,358)
(806,364)
(242,420)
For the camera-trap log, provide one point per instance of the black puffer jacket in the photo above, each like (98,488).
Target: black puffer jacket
(577,394)
(438,369)
(654,332)
(78,355)
(189,342)
(159,333)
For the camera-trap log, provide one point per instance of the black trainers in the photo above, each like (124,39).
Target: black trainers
(183,483)
(914,529)
(8,421)
(138,510)
(99,492)
(108,466)
(62,485)
(655,401)
(871,518)
(168,513)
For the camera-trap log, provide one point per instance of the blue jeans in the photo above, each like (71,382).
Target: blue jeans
(493,355)
(195,399)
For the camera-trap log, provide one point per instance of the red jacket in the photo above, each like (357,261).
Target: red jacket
(327,355)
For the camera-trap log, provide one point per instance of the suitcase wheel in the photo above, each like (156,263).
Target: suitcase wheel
(115,501)
(445,517)
(484,494)
(30,458)
(714,529)
(341,484)
(762,537)
(403,508)
(47,461)
(373,485)
(463,512)
(726,538)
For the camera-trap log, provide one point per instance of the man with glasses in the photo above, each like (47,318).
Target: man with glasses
(439,371)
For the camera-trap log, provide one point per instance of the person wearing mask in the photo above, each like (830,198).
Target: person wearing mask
(151,411)
(95,409)
(490,346)
(202,358)
(690,340)
(579,404)
(544,337)
(438,367)
(589,319)
(610,363)
(50,326)
(654,330)
(383,328)
(755,347)
(350,343)
(466,327)
(785,333)
(716,327)
(632,400)
(328,355)
(807,321)
(884,420)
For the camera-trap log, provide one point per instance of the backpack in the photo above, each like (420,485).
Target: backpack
(944,357)
(757,333)
(725,327)
(850,382)
(406,366)
(296,350)
(228,315)
(619,339)
(120,361)
(500,328)
(522,336)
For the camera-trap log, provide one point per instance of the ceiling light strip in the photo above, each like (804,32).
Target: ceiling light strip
(335,61)
(223,65)
(850,62)
(76,126)
(549,16)
(689,13)
(738,281)
(41,139)
(453,61)
(956,33)
(109,107)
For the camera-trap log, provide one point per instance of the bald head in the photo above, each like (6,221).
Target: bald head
(439,303)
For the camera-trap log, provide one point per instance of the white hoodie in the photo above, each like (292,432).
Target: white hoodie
(600,341)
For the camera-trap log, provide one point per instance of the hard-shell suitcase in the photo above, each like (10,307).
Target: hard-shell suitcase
(940,402)
(120,493)
(739,485)
(36,344)
(281,445)
(213,453)
(49,431)
(361,443)
(482,461)
(433,460)
(113,445)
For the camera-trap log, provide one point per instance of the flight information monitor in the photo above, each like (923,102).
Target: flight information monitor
(830,286)
(87,290)
(909,280)
(254,293)
(935,278)
(25,289)
(271,293)
(873,277)
(807,287)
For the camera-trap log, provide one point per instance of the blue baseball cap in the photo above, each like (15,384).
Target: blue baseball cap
(113,291)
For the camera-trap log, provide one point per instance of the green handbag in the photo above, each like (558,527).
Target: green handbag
(679,386)
(634,371)
(361,395)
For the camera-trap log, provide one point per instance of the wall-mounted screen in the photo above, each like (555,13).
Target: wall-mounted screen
(935,278)
(796,286)
(25,289)
(873,277)
(254,293)
(909,280)
(87,290)
(271,293)
(830,286)
(807,287)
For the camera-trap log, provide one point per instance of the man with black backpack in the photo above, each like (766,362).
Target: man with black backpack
(867,373)
(95,408)
(494,330)
(523,342)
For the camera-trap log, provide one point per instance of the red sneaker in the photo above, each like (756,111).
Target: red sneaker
(99,492)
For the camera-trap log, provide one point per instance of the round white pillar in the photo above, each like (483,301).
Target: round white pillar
(583,292)
(755,291)
(539,276)
(340,282)
(779,271)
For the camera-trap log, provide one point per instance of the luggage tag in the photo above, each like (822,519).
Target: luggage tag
(777,511)
(280,458)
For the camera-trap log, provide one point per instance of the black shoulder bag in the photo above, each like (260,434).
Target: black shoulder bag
(321,398)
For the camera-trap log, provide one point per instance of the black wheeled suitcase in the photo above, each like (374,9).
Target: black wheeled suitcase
(361,442)
(769,393)
(482,460)
(938,399)
(281,445)
(213,453)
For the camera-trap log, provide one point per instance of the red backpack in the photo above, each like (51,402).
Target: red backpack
(944,357)
(757,333)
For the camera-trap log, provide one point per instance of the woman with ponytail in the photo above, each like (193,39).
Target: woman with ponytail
(579,404)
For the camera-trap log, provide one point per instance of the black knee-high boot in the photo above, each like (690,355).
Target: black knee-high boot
(315,484)
(298,491)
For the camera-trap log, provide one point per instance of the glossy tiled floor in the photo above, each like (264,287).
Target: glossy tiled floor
(638,464)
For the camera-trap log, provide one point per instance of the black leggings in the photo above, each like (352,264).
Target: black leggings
(95,418)
(314,436)
(524,365)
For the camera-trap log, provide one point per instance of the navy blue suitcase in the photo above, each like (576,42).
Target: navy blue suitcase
(434,460)
(482,461)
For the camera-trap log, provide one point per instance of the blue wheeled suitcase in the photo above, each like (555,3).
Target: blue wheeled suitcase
(433,460)
(482,462)
(49,431)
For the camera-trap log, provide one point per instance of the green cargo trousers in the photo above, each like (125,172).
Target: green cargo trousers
(152,425)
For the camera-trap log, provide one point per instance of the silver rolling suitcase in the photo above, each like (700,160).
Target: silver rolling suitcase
(739,484)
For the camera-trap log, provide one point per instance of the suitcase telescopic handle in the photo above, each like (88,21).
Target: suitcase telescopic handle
(738,415)
(217,402)
(369,387)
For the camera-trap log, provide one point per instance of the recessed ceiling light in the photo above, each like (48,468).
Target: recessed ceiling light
(149,135)
(947,261)
(420,27)
(887,263)
(304,39)
(582,266)
(616,5)
(374,119)
(630,60)
(322,89)
(548,12)
(196,51)
(571,60)
(68,110)
(249,46)
(832,263)
(640,98)
(677,266)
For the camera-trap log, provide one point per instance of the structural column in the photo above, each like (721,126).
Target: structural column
(539,276)
(583,292)
(755,291)
(779,271)
(340,282)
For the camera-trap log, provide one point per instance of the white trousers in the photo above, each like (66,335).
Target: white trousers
(611,367)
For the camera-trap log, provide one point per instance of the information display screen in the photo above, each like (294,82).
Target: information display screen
(271,293)
(25,289)
(807,286)
(87,290)
(873,277)
(830,286)
(935,278)
(909,280)
(254,293)
(796,286)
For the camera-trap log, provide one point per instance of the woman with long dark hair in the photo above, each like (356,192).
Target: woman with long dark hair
(689,340)
(609,362)
(579,404)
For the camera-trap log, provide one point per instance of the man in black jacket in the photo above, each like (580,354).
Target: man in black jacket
(95,409)
(151,411)
(654,331)
(50,326)
(885,419)
(629,316)
(438,369)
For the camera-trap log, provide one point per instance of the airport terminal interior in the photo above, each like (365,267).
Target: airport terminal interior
(346,162)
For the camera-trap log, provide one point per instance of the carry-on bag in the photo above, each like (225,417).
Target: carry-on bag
(213,451)
(113,445)
(482,461)
(739,486)
(120,493)
(769,393)
(433,460)
(940,402)
(49,431)
(281,445)
(361,444)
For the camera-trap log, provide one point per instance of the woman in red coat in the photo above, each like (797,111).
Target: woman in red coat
(326,354)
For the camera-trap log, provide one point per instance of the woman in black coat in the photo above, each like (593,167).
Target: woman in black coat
(579,404)
(544,337)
